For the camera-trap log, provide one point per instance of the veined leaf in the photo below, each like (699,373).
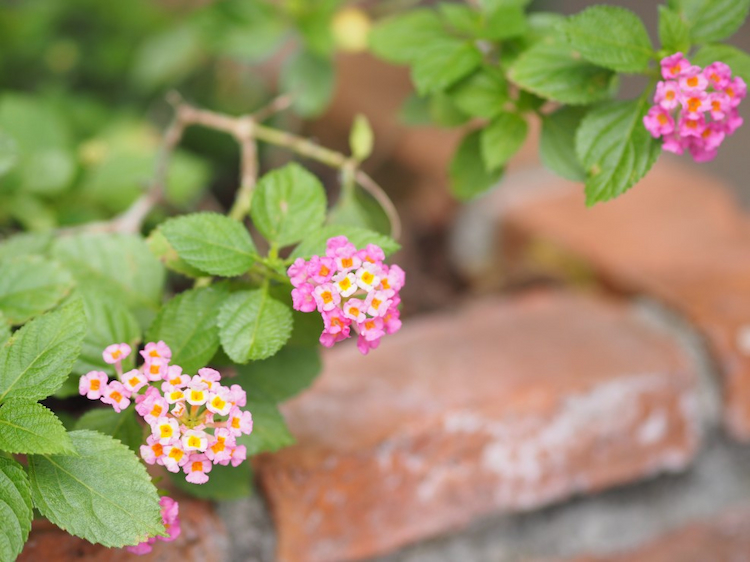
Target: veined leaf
(443,63)
(30,285)
(27,427)
(557,145)
(712,20)
(123,426)
(674,32)
(284,375)
(16,510)
(482,94)
(468,174)
(738,60)
(401,39)
(25,244)
(502,138)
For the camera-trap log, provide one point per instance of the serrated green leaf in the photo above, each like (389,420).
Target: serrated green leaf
(315,243)
(401,39)
(712,20)
(8,153)
(116,266)
(27,427)
(361,138)
(162,249)
(309,78)
(289,203)
(553,70)
(284,375)
(443,63)
(467,171)
(738,60)
(444,112)
(253,325)
(557,145)
(482,94)
(122,426)
(212,243)
(103,494)
(37,359)
(502,138)
(674,32)
(615,148)
(26,244)
(270,432)
(225,483)
(504,22)
(109,321)
(30,285)
(611,37)
(16,511)
(187,324)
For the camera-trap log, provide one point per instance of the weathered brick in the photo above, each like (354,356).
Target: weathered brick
(501,405)
(678,235)
(203,538)
(720,539)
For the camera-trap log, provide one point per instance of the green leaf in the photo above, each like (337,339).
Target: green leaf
(25,244)
(615,148)
(315,243)
(122,426)
(309,78)
(282,376)
(116,266)
(504,22)
(738,60)
(712,20)
(611,37)
(482,94)
(8,153)
(557,143)
(165,59)
(460,19)
(4,330)
(16,511)
(109,321)
(289,203)
(30,428)
(553,70)
(253,326)
(30,285)
(37,359)
(415,111)
(162,249)
(103,494)
(270,432)
(443,63)
(361,138)
(212,243)
(674,32)
(225,483)
(502,138)
(401,39)
(187,324)
(444,112)
(468,174)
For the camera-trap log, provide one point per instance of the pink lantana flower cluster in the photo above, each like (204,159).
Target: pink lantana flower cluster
(194,421)
(696,108)
(352,289)
(170,516)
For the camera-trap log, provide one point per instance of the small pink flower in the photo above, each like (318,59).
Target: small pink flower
(335,322)
(694,103)
(336,243)
(326,297)
(239,422)
(392,321)
(153,407)
(718,75)
(116,352)
(156,369)
(141,548)
(175,378)
(345,284)
(170,512)
(377,303)
(371,254)
(320,269)
(658,121)
(237,395)
(674,143)
(736,90)
(172,394)
(394,281)
(297,272)
(239,454)
(92,384)
(733,122)
(175,457)
(371,329)
(364,345)
(719,104)
(116,395)
(354,309)
(667,94)
(134,380)
(194,440)
(713,136)
(693,79)
(220,447)
(692,127)
(153,451)
(166,430)
(220,402)
(368,276)
(302,298)
(700,152)
(197,393)
(197,469)
(158,350)
(674,66)
(345,257)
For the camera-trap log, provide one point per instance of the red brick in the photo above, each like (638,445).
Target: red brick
(719,539)
(203,538)
(678,235)
(501,405)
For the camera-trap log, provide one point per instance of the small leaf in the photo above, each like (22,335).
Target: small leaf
(270,432)
(122,426)
(460,19)
(315,243)
(289,203)
(552,69)
(557,143)
(615,148)
(225,483)
(712,20)
(212,243)
(468,174)
(309,78)
(482,94)
(361,138)
(611,37)
(187,324)
(738,60)
(502,138)
(25,244)
(443,63)
(401,39)
(8,153)
(31,285)
(252,325)
(504,22)
(162,249)
(674,32)
(39,356)
(16,511)
(103,494)
(284,375)
(29,428)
